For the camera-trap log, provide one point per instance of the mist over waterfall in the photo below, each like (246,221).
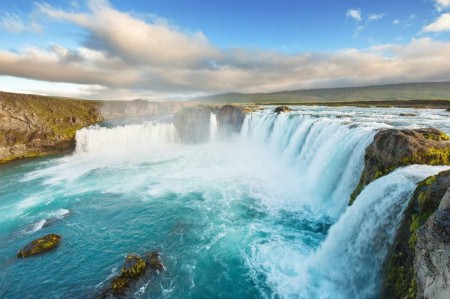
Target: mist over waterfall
(132,136)
(239,206)
(213,127)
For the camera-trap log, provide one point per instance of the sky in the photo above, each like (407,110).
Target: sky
(176,50)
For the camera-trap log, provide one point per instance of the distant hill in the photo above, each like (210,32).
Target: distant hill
(394,92)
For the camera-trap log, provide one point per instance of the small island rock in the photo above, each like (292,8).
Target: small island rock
(40,245)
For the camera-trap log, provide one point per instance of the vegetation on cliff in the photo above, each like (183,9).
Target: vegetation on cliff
(393,148)
(400,277)
(33,125)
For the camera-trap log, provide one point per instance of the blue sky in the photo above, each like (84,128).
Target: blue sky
(172,49)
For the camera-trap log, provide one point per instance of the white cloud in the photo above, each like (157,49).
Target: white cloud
(13,23)
(396,22)
(354,13)
(442,4)
(376,17)
(441,24)
(160,61)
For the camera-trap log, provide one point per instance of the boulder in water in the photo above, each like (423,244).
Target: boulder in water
(282,108)
(40,245)
(134,266)
(154,261)
(135,270)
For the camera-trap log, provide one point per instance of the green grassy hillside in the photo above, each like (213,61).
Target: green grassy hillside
(396,92)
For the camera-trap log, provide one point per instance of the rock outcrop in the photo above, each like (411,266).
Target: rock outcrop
(32,125)
(417,265)
(193,123)
(40,245)
(35,126)
(432,254)
(393,148)
(230,118)
(280,109)
(133,271)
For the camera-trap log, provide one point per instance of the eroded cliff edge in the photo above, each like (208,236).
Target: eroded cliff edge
(417,265)
(32,125)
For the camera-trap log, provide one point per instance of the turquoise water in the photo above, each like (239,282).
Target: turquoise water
(208,229)
(263,215)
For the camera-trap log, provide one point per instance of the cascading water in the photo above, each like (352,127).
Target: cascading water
(263,215)
(133,136)
(326,153)
(213,127)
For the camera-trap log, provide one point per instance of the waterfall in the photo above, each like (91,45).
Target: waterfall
(135,136)
(328,153)
(213,127)
(349,261)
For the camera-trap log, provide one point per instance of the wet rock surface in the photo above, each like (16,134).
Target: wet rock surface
(39,246)
(135,271)
(393,148)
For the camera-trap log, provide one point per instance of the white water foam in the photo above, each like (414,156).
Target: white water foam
(349,261)
(213,128)
(129,137)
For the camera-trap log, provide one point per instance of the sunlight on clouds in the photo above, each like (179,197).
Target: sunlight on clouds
(441,24)
(442,4)
(157,60)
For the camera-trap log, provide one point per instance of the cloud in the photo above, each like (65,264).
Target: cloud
(110,31)
(354,13)
(161,61)
(375,17)
(13,23)
(441,24)
(396,22)
(442,4)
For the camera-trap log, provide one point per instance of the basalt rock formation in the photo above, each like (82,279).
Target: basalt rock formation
(393,148)
(417,265)
(40,245)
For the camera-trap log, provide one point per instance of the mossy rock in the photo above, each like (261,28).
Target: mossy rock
(134,266)
(40,245)
(282,108)
(394,148)
(119,285)
(154,261)
(399,276)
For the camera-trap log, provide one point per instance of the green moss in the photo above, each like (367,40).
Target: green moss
(119,284)
(40,245)
(135,266)
(441,136)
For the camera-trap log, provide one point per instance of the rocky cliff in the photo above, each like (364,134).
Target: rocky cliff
(32,125)
(193,123)
(393,148)
(417,265)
